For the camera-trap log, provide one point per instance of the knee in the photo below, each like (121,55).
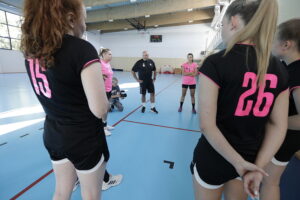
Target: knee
(90,195)
(271,181)
(60,195)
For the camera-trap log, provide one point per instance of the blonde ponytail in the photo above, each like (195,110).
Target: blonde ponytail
(260,29)
(103,51)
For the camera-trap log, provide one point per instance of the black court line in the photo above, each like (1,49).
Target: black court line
(48,173)
(161,126)
(4,143)
(170,163)
(24,135)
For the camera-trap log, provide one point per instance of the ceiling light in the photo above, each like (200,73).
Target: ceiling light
(111,20)
(190,9)
(125,29)
(191,21)
(147,16)
(156,26)
(89,7)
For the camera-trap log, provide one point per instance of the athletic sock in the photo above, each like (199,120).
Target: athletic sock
(152,105)
(181,104)
(106,177)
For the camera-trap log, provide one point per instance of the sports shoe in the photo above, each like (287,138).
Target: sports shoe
(143,109)
(180,109)
(114,180)
(194,111)
(107,132)
(76,185)
(109,128)
(154,110)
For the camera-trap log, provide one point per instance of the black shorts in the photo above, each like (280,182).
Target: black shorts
(189,86)
(108,94)
(289,147)
(210,169)
(84,144)
(147,86)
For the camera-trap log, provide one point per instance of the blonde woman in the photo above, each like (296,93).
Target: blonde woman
(243,105)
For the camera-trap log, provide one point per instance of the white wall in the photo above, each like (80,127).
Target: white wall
(94,38)
(176,42)
(11,61)
(288,9)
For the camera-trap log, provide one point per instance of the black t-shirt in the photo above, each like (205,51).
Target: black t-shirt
(243,109)
(59,89)
(144,69)
(69,121)
(115,90)
(294,82)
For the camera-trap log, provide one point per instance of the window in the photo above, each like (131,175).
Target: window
(10,30)
(14,20)
(3,30)
(4,43)
(15,44)
(2,17)
(15,32)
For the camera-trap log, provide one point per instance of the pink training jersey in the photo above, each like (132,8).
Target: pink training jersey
(106,70)
(189,80)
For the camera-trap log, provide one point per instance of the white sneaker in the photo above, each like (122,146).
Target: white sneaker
(114,180)
(107,133)
(76,185)
(110,128)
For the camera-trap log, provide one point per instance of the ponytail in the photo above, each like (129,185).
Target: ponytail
(260,17)
(103,51)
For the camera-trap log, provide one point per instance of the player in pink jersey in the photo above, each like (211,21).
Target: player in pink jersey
(189,72)
(105,58)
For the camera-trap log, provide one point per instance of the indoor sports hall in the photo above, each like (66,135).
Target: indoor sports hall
(151,142)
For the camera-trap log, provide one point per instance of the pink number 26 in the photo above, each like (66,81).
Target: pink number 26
(42,85)
(243,110)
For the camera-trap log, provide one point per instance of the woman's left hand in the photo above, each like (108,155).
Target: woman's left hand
(104,76)
(252,181)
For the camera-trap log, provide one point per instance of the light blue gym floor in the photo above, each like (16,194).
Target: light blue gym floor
(139,145)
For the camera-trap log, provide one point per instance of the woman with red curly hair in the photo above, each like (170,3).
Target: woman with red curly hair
(64,72)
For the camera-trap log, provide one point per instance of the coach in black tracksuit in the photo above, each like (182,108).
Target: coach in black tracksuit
(146,77)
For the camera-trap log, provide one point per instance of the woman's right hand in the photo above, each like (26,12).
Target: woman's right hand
(244,166)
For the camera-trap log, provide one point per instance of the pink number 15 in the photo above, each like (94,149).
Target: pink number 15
(39,86)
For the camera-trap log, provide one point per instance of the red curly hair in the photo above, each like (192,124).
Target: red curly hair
(45,24)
